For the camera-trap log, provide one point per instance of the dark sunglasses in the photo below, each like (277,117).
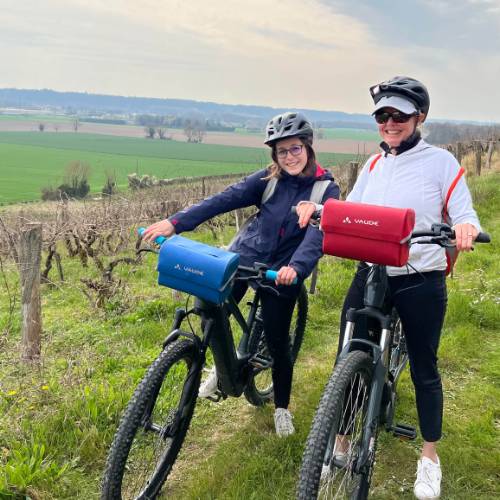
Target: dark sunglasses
(294,151)
(397,116)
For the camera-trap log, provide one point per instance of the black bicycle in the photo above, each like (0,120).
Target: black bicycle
(360,394)
(154,425)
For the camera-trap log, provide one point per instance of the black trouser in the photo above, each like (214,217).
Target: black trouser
(420,300)
(277,316)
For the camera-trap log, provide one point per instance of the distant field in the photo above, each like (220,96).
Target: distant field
(361,135)
(35,117)
(32,160)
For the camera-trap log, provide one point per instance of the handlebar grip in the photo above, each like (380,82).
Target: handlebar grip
(483,238)
(158,240)
(273,275)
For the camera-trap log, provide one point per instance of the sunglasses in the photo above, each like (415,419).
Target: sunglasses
(397,116)
(295,150)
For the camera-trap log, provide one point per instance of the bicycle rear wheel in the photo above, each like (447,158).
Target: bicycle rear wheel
(259,389)
(154,425)
(341,412)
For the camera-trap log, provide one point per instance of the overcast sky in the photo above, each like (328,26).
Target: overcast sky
(320,54)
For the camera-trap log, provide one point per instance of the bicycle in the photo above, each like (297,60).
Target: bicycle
(156,420)
(360,394)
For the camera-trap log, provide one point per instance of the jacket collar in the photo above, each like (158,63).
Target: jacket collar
(409,143)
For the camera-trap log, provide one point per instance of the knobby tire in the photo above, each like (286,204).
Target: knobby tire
(344,400)
(154,425)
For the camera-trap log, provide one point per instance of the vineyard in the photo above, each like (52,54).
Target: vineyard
(103,321)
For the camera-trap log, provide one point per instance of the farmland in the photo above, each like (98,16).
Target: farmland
(32,160)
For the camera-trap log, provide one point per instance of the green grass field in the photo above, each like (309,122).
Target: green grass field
(359,135)
(32,160)
(57,420)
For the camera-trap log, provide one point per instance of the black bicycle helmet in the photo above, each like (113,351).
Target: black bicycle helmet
(289,124)
(403,86)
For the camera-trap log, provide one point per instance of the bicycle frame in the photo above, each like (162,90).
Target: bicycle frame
(375,293)
(229,360)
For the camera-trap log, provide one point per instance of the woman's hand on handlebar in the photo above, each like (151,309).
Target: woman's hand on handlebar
(304,210)
(286,275)
(465,234)
(162,228)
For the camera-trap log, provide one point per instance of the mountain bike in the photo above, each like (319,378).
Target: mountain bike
(360,395)
(156,420)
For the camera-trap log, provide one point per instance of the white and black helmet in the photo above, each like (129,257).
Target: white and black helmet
(289,124)
(403,86)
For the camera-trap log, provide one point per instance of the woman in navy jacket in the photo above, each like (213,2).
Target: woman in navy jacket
(275,237)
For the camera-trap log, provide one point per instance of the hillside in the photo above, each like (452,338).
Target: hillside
(98,103)
(57,421)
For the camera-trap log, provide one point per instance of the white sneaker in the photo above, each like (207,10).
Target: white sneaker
(428,483)
(283,422)
(209,386)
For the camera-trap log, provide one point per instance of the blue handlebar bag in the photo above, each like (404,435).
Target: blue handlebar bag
(197,268)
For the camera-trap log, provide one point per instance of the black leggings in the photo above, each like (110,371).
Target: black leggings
(277,316)
(420,300)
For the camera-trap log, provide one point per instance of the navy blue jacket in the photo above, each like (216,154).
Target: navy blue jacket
(273,237)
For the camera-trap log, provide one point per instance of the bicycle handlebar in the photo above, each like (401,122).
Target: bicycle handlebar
(441,234)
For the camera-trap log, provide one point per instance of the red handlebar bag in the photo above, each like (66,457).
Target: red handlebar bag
(369,233)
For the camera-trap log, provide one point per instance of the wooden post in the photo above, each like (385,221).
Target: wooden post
(489,154)
(30,256)
(353,175)
(459,152)
(478,149)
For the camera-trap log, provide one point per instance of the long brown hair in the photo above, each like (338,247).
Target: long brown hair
(274,170)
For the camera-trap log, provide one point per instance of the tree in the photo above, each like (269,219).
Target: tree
(109,187)
(76,177)
(150,132)
(194,130)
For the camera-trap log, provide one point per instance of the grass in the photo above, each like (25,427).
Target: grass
(32,160)
(57,421)
(353,134)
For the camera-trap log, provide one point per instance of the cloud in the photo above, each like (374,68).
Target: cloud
(295,53)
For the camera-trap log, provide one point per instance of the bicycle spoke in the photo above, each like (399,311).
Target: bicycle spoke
(341,482)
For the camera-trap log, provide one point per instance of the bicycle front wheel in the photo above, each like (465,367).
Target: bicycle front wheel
(259,389)
(154,425)
(339,423)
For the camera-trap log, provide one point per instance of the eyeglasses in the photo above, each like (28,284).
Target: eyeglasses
(397,116)
(295,150)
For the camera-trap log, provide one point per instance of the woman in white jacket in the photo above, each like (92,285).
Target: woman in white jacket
(409,173)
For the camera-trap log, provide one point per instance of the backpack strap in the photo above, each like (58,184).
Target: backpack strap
(451,252)
(318,191)
(269,191)
(374,162)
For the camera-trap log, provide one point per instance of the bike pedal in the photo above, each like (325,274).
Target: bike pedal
(404,431)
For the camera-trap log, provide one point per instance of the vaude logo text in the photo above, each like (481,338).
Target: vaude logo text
(187,269)
(366,222)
